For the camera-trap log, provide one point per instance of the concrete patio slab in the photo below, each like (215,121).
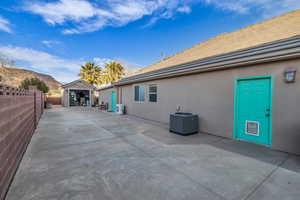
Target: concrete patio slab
(86,154)
(282,184)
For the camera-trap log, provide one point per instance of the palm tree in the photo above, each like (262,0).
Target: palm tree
(113,72)
(91,73)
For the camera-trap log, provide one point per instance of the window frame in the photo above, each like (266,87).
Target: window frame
(139,94)
(151,93)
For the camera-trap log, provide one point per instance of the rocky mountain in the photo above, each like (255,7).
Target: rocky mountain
(14,76)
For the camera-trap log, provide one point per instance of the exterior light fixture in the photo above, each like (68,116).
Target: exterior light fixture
(290,75)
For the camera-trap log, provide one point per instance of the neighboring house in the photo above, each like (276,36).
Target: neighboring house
(78,93)
(241,84)
(108,96)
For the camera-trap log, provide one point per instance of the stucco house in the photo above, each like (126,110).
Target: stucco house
(243,85)
(78,93)
(108,96)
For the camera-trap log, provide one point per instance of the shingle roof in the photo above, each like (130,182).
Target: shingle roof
(82,83)
(277,28)
(278,50)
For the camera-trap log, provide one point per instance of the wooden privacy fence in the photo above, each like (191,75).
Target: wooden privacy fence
(54,100)
(20,111)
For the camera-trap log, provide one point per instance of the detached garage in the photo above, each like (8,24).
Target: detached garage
(78,93)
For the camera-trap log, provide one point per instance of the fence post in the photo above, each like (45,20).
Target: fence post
(42,103)
(33,89)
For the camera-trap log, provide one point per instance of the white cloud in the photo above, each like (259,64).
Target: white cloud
(81,16)
(85,16)
(50,43)
(267,8)
(64,10)
(62,69)
(5,25)
(101,61)
(184,9)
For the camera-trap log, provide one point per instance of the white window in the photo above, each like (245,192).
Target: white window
(139,93)
(153,93)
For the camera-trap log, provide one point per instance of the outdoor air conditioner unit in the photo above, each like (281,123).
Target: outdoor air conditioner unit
(120,109)
(184,123)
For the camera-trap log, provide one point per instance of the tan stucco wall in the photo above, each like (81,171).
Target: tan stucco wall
(105,96)
(211,96)
(65,98)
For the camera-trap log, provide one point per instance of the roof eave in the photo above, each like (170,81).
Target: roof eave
(105,88)
(275,51)
(76,81)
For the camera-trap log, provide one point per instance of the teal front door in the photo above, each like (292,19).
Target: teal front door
(113,101)
(253,109)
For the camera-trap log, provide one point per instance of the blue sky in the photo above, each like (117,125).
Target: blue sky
(56,36)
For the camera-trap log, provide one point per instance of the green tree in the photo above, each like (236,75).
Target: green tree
(41,85)
(91,73)
(113,72)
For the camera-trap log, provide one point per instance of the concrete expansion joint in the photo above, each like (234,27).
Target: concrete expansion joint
(80,143)
(177,171)
(193,180)
(248,196)
(60,164)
